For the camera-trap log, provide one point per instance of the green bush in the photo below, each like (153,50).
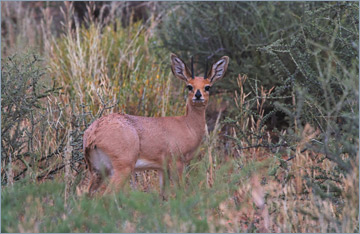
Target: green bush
(320,63)
(235,29)
(272,42)
(319,66)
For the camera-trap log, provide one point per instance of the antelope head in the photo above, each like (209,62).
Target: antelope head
(199,87)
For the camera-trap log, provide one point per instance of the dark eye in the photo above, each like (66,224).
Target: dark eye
(189,87)
(207,88)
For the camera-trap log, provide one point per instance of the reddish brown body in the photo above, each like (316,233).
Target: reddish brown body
(116,145)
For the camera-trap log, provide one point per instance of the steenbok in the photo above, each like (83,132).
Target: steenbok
(116,145)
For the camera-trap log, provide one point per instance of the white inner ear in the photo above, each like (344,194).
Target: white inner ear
(178,70)
(179,67)
(219,70)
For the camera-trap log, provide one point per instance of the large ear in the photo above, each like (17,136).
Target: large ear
(179,68)
(218,69)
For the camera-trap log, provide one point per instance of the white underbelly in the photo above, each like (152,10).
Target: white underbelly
(143,164)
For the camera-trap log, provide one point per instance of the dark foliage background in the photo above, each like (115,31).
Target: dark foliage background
(308,51)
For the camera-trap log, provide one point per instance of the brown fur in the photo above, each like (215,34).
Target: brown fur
(156,142)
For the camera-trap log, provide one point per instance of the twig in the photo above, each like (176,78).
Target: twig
(264,146)
(51,172)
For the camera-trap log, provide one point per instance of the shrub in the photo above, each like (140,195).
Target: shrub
(23,111)
(320,63)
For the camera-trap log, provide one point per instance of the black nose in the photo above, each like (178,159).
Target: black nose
(198,94)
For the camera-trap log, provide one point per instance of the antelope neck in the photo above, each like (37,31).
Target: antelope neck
(195,116)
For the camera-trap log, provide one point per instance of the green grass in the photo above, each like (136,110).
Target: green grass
(41,207)
(232,204)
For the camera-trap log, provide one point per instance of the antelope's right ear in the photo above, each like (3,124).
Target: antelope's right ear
(218,69)
(179,68)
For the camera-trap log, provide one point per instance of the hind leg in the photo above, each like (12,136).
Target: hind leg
(162,183)
(118,179)
(100,168)
(95,182)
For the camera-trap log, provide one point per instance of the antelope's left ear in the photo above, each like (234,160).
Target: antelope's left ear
(218,69)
